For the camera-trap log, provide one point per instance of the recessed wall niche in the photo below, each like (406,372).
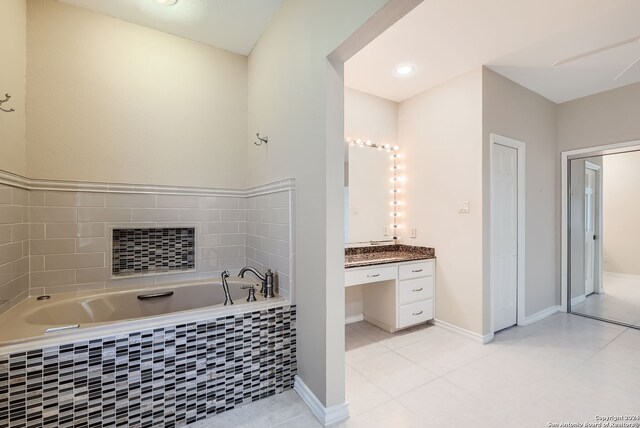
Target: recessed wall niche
(148,251)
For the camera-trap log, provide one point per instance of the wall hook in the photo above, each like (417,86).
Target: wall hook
(264,140)
(7,97)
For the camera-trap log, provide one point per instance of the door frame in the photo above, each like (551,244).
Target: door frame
(519,146)
(565,252)
(598,274)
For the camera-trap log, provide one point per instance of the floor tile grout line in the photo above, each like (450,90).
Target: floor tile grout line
(299,415)
(600,350)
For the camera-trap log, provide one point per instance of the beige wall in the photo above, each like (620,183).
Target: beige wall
(369,118)
(295,97)
(116,102)
(513,111)
(13,34)
(441,140)
(621,229)
(605,118)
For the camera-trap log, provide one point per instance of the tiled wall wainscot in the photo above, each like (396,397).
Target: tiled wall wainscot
(165,377)
(56,236)
(14,246)
(71,236)
(269,240)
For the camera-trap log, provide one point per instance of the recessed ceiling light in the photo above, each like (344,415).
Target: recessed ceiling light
(405,70)
(167,2)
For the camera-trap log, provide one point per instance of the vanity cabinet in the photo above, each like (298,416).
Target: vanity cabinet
(398,295)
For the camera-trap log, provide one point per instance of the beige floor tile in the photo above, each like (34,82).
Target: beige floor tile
(390,414)
(393,373)
(362,394)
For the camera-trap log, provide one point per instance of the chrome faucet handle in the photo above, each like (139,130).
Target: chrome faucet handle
(269,284)
(252,292)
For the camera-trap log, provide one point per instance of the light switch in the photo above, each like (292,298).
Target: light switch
(413,232)
(385,231)
(464,207)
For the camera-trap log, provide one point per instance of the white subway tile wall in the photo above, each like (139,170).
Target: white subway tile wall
(14,248)
(269,226)
(74,229)
(60,241)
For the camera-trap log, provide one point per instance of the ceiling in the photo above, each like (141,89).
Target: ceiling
(232,25)
(519,39)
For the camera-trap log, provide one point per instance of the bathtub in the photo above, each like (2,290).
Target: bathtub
(70,316)
(110,359)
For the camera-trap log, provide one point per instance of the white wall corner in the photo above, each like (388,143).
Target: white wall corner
(540,315)
(326,415)
(487,338)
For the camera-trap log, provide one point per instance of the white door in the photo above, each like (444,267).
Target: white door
(589,230)
(504,259)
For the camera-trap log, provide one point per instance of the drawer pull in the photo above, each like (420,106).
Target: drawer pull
(373,276)
(418,313)
(418,289)
(416,270)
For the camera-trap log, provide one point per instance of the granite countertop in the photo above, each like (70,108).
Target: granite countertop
(385,254)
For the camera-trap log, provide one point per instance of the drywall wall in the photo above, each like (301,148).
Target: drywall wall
(621,206)
(13,62)
(296,98)
(368,117)
(514,111)
(600,119)
(112,101)
(441,138)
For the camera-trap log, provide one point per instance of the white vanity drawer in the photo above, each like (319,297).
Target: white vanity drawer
(373,274)
(416,270)
(415,290)
(415,313)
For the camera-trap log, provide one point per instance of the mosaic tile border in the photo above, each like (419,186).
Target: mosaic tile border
(169,376)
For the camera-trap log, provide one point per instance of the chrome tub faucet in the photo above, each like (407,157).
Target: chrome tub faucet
(267,280)
(225,287)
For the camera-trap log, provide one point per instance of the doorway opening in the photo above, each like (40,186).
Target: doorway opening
(600,273)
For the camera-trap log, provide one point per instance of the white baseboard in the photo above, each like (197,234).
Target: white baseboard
(475,336)
(578,299)
(354,318)
(326,415)
(540,315)
(621,275)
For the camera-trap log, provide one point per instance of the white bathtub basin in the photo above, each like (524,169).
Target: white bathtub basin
(111,312)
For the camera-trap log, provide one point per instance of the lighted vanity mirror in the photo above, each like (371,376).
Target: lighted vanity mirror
(371,191)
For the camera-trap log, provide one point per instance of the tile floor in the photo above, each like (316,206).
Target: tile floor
(620,301)
(564,368)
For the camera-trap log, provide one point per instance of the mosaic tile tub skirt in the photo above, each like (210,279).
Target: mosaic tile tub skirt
(165,377)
